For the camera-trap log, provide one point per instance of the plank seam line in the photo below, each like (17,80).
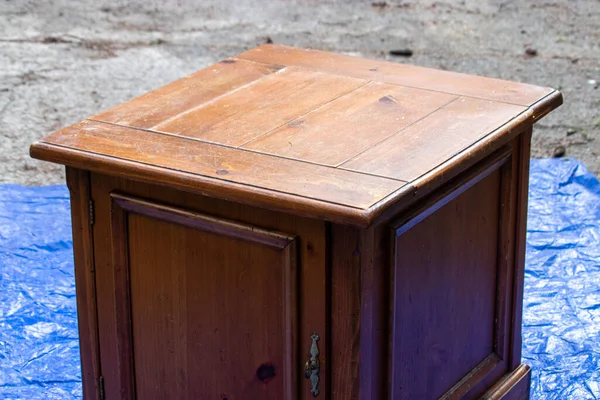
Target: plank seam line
(214,99)
(417,87)
(239,149)
(394,134)
(307,112)
(208,177)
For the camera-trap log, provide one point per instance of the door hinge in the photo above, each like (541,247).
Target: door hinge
(91,211)
(101,388)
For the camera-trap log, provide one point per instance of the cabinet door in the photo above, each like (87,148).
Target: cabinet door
(194,306)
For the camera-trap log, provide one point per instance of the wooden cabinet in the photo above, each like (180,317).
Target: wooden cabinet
(294,224)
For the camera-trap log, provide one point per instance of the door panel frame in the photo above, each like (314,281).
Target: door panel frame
(121,205)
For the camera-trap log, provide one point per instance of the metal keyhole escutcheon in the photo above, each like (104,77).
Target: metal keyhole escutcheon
(312,366)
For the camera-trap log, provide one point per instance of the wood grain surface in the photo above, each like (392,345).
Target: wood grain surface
(320,134)
(78,182)
(400,74)
(245,168)
(445,265)
(427,143)
(186,93)
(245,114)
(351,124)
(182,256)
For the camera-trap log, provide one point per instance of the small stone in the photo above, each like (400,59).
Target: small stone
(379,4)
(156,42)
(593,83)
(401,53)
(559,151)
(530,51)
(269,40)
(571,131)
(52,39)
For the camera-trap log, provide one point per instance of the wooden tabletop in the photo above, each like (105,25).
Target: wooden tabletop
(305,131)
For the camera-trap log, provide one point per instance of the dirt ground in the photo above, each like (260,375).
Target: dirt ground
(61,60)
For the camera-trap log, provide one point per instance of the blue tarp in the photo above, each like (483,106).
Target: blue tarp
(39,353)
(561,321)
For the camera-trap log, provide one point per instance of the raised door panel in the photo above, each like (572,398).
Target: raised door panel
(205,308)
(450,291)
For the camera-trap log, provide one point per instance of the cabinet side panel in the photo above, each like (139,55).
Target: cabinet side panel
(78,182)
(445,276)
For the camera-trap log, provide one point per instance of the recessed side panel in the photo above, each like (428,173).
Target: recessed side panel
(211,306)
(445,293)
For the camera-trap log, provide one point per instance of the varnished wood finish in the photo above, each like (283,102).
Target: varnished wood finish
(203,222)
(223,166)
(522,182)
(173,292)
(387,108)
(514,386)
(285,193)
(121,292)
(182,208)
(505,271)
(400,74)
(188,182)
(477,376)
(345,312)
(335,137)
(444,308)
(187,93)
(238,118)
(78,183)
(450,191)
(445,133)
(374,277)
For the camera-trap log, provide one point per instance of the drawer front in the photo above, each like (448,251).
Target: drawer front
(197,306)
